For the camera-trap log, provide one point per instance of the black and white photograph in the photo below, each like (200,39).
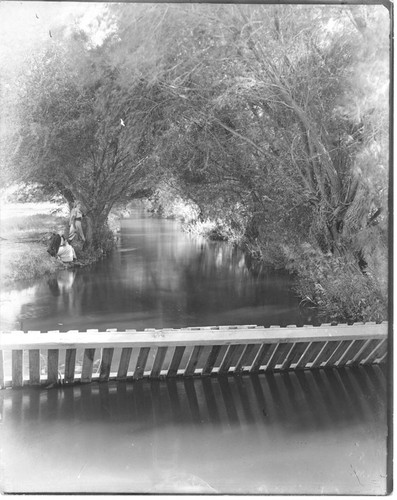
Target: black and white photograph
(196,227)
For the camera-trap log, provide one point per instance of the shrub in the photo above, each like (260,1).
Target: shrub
(336,286)
(104,240)
(170,205)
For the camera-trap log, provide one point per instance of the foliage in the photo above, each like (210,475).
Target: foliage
(290,145)
(169,203)
(30,193)
(272,120)
(71,136)
(337,287)
(259,146)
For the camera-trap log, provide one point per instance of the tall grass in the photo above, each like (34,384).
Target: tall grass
(27,261)
(23,250)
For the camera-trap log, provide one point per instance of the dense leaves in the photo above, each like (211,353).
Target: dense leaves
(72,133)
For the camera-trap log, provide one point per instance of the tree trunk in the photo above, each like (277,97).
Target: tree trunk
(96,230)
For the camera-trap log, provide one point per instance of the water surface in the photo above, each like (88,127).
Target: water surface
(313,432)
(158,277)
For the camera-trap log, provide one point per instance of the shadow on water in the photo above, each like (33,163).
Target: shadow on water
(321,431)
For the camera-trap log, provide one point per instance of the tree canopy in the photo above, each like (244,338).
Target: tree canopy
(272,118)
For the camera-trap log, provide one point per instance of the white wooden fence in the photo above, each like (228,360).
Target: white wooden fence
(35,358)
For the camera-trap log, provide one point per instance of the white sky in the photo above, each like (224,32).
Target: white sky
(23,25)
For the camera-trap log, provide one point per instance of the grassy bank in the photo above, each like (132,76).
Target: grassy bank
(25,230)
(24,233)
(337,287)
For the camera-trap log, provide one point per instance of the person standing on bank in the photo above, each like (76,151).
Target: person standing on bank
(76,215)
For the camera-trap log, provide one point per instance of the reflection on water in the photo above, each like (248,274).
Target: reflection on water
(313,432)
(158,277)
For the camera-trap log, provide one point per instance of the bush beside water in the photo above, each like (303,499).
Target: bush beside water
(336,286)
(333,285)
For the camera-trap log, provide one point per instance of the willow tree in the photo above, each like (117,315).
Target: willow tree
(73,134)
(267,116)
(275,120)
(275,112)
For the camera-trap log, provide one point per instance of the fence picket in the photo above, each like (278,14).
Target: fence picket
(361,353)
(245,355)
(339,351)
(193,360)
(176,361)
(124,362)
(52,366)
(106,362)
(263,356)
(17,368)
(34,366)
(296,351)
(88,362)
(378,351)
(211,360)
(350,351)
(227,359)
(279,353)
(158,362)
(381,354)
(322,357)
(141,362)
(311,351)
(314,351)
(70,365)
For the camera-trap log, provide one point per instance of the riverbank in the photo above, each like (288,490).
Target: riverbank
(334,285)
(25,229)
(329,284)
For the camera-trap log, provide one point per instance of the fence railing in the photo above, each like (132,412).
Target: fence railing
(35,358)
